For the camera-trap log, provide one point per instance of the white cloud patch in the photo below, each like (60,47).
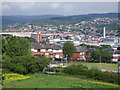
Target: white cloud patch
(6,7)
(68,7)
(55,5)
(23,5)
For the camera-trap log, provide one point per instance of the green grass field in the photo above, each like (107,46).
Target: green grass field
(105,66)
(40,80)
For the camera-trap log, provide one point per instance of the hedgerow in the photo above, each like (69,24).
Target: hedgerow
(79,69)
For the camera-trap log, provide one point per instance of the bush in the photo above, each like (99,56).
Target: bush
(78,69)
(111,78)
(75,69)
(25,64)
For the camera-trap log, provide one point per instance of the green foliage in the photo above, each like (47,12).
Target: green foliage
(105,56)
(17,57)
(44,42)
(75,69)
(59,21)
(39,80)
(3,45)
(42,61)
(17,46)
(95,55)
(83,45)
(95,47)
(79,69)
(68,49)
(25,64)
(30,39)
(106,47)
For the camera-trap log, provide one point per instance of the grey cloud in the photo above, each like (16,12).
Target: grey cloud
(66,8)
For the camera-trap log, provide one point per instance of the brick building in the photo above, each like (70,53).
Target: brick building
(79,54)
(50,51)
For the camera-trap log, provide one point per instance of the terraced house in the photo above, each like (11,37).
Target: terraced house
(50,51)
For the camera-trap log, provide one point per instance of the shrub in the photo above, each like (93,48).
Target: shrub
(57,69)
(25,64)
(78,69)
(75,69)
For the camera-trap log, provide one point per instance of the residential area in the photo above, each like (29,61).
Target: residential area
(60,45)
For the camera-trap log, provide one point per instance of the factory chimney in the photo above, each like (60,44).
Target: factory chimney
(39,37)
(104,33)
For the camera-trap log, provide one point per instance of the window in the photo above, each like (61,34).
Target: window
(57,55)
(38,50)
(46,54)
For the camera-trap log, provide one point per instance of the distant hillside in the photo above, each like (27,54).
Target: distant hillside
(54,19)
(59,21)
(95,15)
(23,19)
(72,19)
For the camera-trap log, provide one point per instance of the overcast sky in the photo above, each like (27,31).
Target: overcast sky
(58,8)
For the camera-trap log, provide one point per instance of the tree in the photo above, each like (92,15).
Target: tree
(105,56)
(95,55)
(68,49)
(30,39)
(17,46)
(3,45)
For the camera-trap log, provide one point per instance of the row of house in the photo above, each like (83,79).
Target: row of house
(81,54)
(50,51)
(55,51)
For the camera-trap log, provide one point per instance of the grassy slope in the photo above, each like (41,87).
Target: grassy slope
(105,66)
(56,81)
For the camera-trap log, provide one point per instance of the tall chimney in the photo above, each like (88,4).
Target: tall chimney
(38,38)
(104,33)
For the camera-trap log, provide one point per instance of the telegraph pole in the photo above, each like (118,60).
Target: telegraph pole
(118,63)
(100,63)
(118,69)
(66,60)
